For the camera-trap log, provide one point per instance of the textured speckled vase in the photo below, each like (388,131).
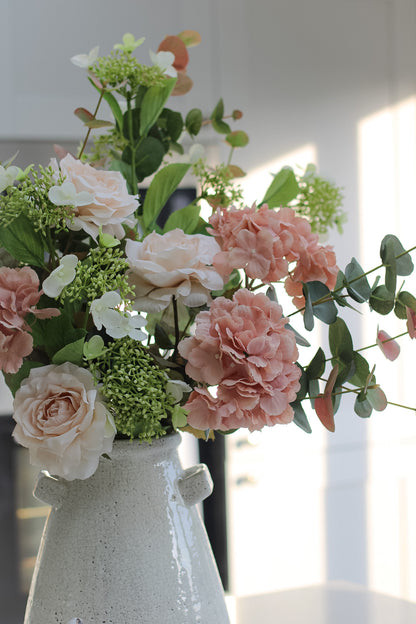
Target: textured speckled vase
(127,546)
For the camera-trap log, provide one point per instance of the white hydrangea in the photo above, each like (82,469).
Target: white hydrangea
(106,313)
(63,275)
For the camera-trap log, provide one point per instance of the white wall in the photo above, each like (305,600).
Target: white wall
(311,75)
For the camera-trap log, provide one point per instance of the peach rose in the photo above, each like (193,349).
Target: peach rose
(61,420)
(172,264)
(112,205)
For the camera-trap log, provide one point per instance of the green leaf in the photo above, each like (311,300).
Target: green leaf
(300,419)
(159,191)
(149,156)
(221,127)
(193,121)
(326,311)
(98,123)
(316,367)
(407,299)
(392,247)
(14,381)
(153,103)
(187,219)
(340,341)
(131,127)
(362,407)
(71,352)
(218,112)
(313,390)
(377,399)
(238,138)
(125,170)
(83,114)
(282,190)
(115,108)
(53,334)
(174,124)
(162,338)
(362,370)
(382,300)
(303,380)
(308,319)
(359,289)
(94,347)
(300,340)
(22,242)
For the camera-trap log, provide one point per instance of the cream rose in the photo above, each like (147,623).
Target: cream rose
(61,420)
(172,264)
(111,205)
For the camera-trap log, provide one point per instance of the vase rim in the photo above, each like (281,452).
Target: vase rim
(166,442)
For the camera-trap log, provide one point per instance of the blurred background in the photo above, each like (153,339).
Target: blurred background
(326,81)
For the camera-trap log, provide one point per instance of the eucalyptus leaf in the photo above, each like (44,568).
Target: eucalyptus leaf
(238,138)
(362,407)
(391,247)
(362,370)
(382,300)
(326,311)
(300,340)
(356,282)
(313,390)
(300,419)
(316,367)
(340,341)
(407,299)
(308,319)
(193,121)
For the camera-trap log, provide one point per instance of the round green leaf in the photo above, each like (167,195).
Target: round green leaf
(382,300)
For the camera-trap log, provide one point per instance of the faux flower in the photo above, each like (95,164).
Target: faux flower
(243,347)
(14,346)
(164,61)
(111,204)
(60,277)
(130,43)
(19,294)
(8,176)
(411,322)
(62,421)
(174,264)
(85,60)
(106,312)
(388,346)
(66,195)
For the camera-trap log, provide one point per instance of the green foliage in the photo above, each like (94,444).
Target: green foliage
(165,182)
(356,282)
(135,388)
(282,190)
(300,419)
(319,201)
(193,121)
(218,123)
(103,270)
(186,219)
(122,72)
(325,310)
(217,185)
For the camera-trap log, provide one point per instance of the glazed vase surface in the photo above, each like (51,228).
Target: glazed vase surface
(127,545)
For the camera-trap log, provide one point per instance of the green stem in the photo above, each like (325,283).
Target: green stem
(176,321)
(387,340)
(132,146)
(84,145)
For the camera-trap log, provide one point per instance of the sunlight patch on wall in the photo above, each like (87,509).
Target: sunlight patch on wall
(387,192)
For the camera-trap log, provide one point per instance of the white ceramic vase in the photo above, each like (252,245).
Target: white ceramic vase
(127,546)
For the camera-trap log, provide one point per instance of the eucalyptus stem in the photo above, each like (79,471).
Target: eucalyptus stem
(176,322)
(84,145)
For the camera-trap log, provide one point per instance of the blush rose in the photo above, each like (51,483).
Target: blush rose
(112,204)
(169,265)
(62,421)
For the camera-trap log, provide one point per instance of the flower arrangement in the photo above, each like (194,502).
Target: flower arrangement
(113,323)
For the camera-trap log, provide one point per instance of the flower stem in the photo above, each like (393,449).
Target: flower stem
(84,145)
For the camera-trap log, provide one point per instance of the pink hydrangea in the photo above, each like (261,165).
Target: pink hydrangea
(19,295)
(264,242)
(244,347)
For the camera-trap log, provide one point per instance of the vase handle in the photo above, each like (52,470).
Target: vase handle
(50,490)
(195,485)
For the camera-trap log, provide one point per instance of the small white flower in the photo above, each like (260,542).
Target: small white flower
(85,60)
(177,388)
(163,60)
(8,176)
(66,195)
(196,152)
(61,276)
(105,312)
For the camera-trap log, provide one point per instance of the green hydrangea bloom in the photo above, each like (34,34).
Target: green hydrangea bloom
(135,388)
